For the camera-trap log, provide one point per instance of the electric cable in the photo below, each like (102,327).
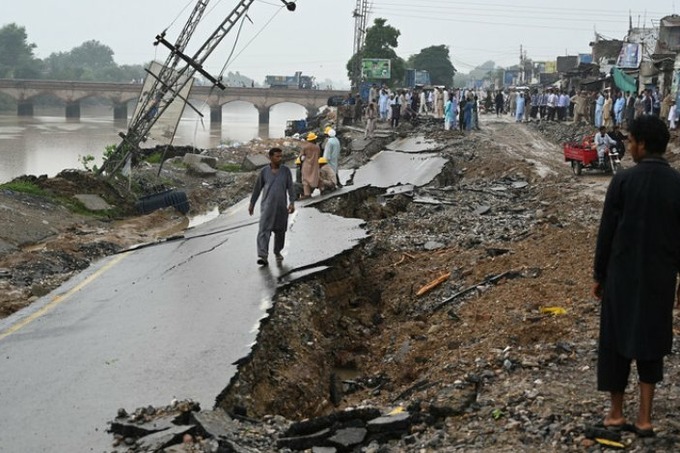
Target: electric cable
(256,35)
(178,15)
(449,3)
(233,48)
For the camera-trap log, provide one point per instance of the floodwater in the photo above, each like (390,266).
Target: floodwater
(48,143)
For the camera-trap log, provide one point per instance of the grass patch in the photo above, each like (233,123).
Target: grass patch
(231,168)
(154,158)
(24,187)
(72,204)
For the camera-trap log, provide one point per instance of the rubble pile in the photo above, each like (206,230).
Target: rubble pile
(508,327)
(560,132)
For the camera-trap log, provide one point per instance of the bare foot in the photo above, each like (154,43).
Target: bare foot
(614,422)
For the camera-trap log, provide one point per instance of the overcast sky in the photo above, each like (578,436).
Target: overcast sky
(318,37)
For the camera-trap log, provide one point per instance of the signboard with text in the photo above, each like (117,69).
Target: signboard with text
(376,68)
(630,56)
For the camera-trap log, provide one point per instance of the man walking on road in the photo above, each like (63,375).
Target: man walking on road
(309,155)
(274,182)
(637,260)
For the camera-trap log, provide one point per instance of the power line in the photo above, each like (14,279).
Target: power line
(505,24)
(497,13)
(448,4)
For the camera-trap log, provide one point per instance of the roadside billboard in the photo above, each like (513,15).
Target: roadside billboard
(376,68)
(566,63)
(510,77)
(630,56)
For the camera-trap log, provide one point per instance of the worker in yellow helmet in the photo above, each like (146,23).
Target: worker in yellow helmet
(310,165)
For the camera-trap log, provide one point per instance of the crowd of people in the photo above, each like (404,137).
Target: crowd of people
(600,108)
(458,108)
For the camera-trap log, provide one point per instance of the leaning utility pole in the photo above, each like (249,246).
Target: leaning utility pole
(360,18)
(521,64)
(175,74)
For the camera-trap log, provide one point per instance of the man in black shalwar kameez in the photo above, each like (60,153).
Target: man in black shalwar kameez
(636,266)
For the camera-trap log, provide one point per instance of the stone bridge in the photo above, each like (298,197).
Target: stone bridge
(122,95)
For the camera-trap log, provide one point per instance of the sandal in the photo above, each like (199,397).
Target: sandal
(642,432)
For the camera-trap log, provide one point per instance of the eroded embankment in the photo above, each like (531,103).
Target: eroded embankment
(317,330)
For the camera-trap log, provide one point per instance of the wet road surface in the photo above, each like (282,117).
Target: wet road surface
(144,327)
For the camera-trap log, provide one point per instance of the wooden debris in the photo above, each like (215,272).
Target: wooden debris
(433,284)
(492,279)
(403,258)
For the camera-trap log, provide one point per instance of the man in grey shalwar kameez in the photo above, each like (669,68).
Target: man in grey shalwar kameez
(275,182)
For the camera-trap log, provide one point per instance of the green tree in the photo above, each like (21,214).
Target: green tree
(16,54)
(381,42)
(437,61)
(90,61)
(483,70)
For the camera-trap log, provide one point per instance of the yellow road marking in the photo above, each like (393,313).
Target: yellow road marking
(60,298)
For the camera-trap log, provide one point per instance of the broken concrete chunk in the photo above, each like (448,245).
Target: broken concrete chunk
(481,210)
(348,437)
(254,161)
(215,423)
(324,450)
(304,442)
(433,245)
(452,401)
(128,428)
(93,202)
(390,423)
(200,169)
(316,424)
(162,439)
(200,159)
(416,144)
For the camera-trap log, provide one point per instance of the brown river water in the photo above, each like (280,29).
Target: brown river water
(48,142)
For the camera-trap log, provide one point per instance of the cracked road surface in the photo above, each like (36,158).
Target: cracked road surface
(146,326)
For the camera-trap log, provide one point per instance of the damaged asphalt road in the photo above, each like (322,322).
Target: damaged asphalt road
(157,323)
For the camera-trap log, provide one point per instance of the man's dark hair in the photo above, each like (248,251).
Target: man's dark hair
(652,131)
(274,151)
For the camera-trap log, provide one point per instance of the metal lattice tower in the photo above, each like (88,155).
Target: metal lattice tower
(360,18)
(178,69)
